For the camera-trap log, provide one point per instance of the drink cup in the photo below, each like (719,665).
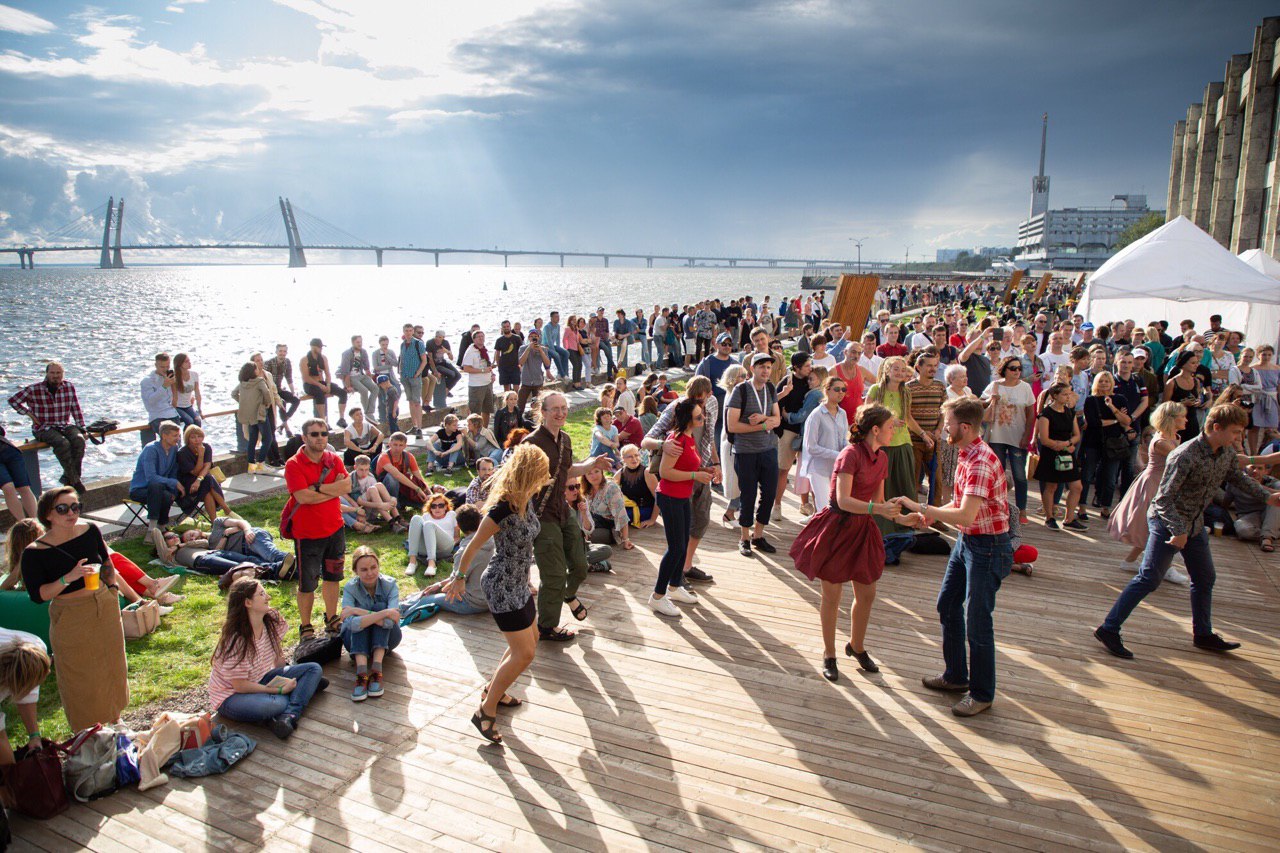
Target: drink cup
(92,576)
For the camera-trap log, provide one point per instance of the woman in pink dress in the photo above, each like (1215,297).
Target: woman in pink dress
(1128,522)
(842,543)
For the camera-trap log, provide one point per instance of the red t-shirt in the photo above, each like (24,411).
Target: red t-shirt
(689,461)
(632,433)
(314,521)
(890,350)
(408,463)
(958,341)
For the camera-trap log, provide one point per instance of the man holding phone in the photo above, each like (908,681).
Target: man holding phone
(534,361)
(157,395)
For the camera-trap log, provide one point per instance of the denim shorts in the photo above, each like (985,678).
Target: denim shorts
(12,467)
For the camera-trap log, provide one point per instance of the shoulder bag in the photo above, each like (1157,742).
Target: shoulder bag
(140,618)
(291,508)
(34,781)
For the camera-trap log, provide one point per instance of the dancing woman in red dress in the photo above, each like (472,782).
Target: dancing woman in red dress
(842,543)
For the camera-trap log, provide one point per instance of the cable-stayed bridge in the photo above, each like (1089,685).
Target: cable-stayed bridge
(107,231)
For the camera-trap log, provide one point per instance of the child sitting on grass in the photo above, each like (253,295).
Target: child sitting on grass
(372,495)
(604,438)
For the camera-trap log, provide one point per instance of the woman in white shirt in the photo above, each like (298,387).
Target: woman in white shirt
(432,534)
(24,665)
(186,391)
(826,432)
(1011,412)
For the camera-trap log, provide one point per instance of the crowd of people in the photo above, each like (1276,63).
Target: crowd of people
(936,420)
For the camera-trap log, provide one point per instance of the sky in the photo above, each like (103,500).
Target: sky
(699,126)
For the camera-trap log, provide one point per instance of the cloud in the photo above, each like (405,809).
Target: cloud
(190,144)
(24,23)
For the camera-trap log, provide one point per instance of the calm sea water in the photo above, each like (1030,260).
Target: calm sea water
(107,325)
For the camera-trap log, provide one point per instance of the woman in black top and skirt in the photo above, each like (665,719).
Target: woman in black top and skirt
(1058,436)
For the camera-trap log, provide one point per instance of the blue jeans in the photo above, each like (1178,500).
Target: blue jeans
(1097,468)
(364,642)
(447,460)
(260,707)
(756,471)
(159,499)
(977,565)
(387,405)
(560,357)
(1017,460)
(646,349)
(677,519)
(187,416)
(458,606)
(264,548)
(1155,562)
(440,395)
(259,431)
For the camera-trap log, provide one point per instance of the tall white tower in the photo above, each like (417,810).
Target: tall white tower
(1040,183)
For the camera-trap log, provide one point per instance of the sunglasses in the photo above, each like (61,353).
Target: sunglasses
(1013,368)
(838,389)
(317,434)
(572,488)
(439,506)
(63,509)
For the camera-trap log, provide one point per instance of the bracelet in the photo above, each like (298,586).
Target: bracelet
(64,581)
(871,505)
(113,586)
(280,691)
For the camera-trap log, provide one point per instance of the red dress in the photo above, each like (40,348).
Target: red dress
(837,546)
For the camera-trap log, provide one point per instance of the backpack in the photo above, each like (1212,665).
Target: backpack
(89,765)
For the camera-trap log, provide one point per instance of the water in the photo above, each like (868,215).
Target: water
(106,326)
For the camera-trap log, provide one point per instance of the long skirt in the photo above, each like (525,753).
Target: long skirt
(901,482)
(87,641)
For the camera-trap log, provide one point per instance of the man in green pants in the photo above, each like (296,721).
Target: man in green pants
(559,550)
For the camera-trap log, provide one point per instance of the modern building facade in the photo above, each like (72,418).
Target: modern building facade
(1223,170)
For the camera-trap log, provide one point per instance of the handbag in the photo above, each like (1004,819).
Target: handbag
(1115,446)
(34,781)
(89,763)
(1033,462)
(1063,462)
(140,618)
(291,507)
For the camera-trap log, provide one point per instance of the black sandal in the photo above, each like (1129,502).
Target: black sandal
(306,632)
(579,612)
(507,700)
(489,732)
(556,635)
(333,624)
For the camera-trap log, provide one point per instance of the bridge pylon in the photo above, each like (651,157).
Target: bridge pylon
(297,258)
(117,260)
(104,262)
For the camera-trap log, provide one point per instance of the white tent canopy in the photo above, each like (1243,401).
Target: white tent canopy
(1178,272)
(1261,261)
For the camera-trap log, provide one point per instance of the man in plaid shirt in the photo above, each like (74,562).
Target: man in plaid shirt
(981,559)
(56,420)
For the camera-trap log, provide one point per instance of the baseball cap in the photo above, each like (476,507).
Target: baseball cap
(382,377)
(316,342)
(1140,352)
(1086,325)
(724,338)
(439,333)
(761,358)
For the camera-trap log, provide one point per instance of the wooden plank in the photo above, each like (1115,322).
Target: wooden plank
(855,294)
(1012,287)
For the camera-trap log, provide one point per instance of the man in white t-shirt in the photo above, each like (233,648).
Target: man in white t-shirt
(477,363)
(869,360)
(1054,355)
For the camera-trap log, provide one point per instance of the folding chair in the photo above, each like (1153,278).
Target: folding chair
(137,515)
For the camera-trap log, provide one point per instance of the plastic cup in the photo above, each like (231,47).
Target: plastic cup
(92,577)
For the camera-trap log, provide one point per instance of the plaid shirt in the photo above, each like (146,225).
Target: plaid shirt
(980,473)
(60,409)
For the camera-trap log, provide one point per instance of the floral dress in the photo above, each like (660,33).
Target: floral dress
(506,579)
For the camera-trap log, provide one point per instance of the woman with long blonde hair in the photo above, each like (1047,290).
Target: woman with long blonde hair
(511,521)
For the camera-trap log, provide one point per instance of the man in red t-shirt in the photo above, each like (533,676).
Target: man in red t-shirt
(316,479)
(890,347)
(398,471)
(630,430)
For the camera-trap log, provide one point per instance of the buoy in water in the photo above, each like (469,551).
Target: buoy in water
(504,285)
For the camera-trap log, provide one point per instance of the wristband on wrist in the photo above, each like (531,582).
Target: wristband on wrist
(871,505)
(63,580)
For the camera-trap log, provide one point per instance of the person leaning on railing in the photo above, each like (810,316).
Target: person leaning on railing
(56,420)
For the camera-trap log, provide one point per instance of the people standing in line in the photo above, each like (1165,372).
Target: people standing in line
(356,372)
(1058,438)
(318,383)
(186,391)
(1011,419)
(534,361)
(1193,474)
(825,435)
(370,621)
(559,547)
(511,522)
(478,366)
(413,363)
(752,415)
(680,468)
(255,400)
(281,370)
(155,475)
(56,420)
(316,479)
(1128,524)
(250,680)
(841,543)
(981,558)
(157,394)
(70,568)
(1104,443)
(195,474)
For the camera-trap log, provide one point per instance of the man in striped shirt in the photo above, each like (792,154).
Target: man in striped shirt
(56,420)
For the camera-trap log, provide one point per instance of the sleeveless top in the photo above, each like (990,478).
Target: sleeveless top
(634,486)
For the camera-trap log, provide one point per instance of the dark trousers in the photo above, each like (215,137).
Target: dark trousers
(159,499)
(1101,470)
(701,348)
(293,402)
(561,553)
(966,601)
(68,446)
(1155,562)
(756,472)
(526,393)
(677,518)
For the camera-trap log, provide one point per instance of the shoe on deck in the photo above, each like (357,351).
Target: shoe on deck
(1076,524)
(1176,575)
(744,547)
(1111,639)
(682,595)
(1215,643)
(281,726)
(764,545)
(694,575)
(663,606)
(375,684)
(361,691)
(937,682)
(969,707)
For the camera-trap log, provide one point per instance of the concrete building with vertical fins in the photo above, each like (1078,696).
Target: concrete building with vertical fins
(1222,172)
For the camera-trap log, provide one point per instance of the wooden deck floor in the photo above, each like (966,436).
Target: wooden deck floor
(717,731)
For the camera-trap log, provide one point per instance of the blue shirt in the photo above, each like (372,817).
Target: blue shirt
(157,399)
(551,334)
(411,356)
(385,596)
(155,465)
(622,328)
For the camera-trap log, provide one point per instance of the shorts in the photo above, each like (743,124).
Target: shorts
(412,388)
(480,399)
(13,469)
(508,375)
(700,510)
(786,453)
(320,559)
(512,621)
(317,393)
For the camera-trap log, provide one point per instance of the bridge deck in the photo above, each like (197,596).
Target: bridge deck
(717,731)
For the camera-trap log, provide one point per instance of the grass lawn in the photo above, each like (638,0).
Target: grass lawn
(174,659)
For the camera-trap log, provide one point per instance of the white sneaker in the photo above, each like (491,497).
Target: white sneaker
(1130,565)
(429,571)
(684,595)
(411,570)
(164,611)
(663,606)
(1176,575)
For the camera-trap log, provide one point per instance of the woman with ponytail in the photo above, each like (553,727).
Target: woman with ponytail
(842,542)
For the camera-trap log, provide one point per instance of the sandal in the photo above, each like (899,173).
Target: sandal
(306,632)
(507,700)
(333,624)
(556,635)
(1024,569)
(1268,544)
(488,732)
(580,611)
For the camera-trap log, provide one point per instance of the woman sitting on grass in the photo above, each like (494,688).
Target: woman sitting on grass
(249,680)
(431,535)
(604,437)
(372,495)
(370,621)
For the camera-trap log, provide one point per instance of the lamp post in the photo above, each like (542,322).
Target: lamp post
(858,241)
(906,259)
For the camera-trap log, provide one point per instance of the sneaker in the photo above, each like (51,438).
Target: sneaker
(286,565)
(411,570)
(375,684)
(744,547)
(1076,524)
(281,726)
(969,707)
(342,423)
(321,686)
(163,585)
(1215,643)
(1023,518)
(682,595)
(163,610)
(429,572)
(1132,565)
(1111,639)
(601,567)
(360,692)
(663,606)
(763,544)
(937,682)
(1051,523)
(416,432)
(1177,575)
(1081,514)
(697,575)
(806,509)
